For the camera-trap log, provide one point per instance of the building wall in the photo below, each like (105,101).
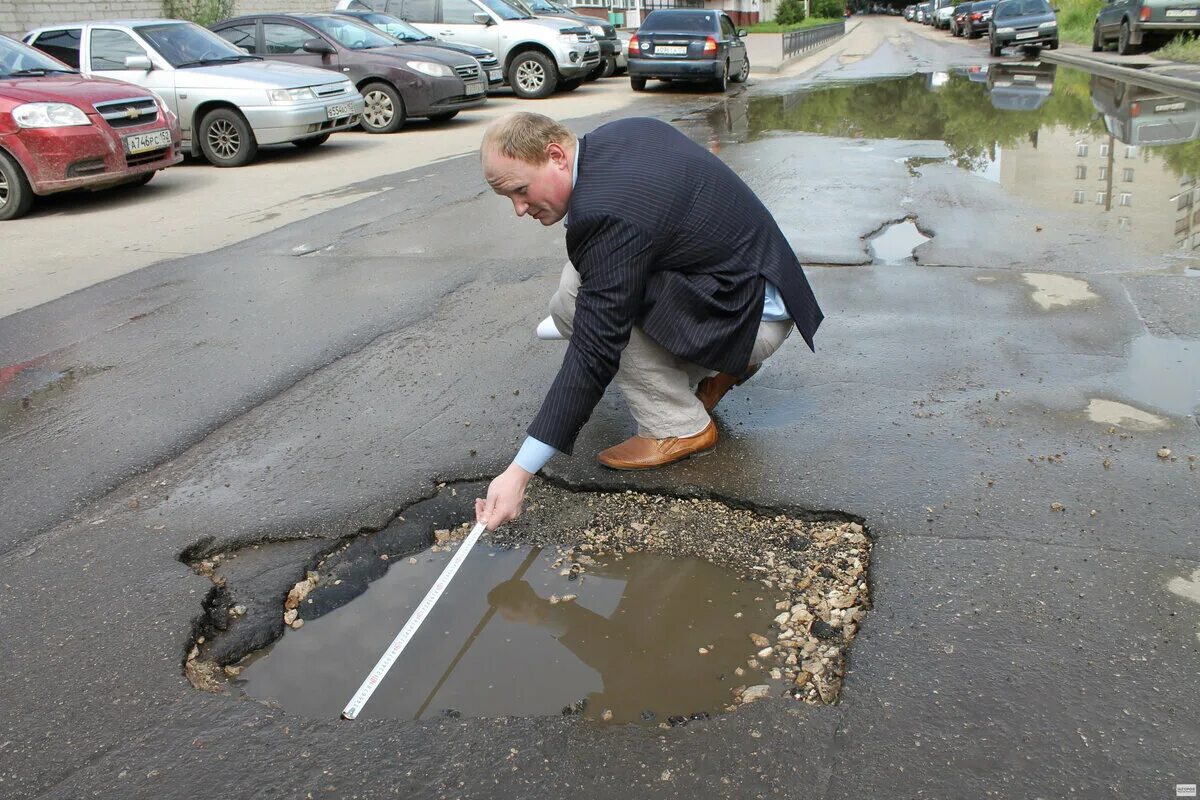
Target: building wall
(19,16)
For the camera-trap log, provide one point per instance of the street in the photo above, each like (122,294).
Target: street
(282,360)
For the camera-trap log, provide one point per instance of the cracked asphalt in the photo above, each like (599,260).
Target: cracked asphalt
(252,394)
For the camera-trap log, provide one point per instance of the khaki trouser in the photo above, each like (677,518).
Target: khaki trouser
(659,387)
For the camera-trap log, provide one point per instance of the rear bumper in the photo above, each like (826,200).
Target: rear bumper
(670,68)
(1191,24)
(278,124)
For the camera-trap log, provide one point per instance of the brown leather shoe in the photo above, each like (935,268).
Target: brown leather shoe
(639,452)
(711,390)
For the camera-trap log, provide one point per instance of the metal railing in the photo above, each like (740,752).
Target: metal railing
(807,38)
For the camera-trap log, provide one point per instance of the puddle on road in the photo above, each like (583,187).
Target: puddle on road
(1163,374)
(896,242)
(23,386)
(513,636)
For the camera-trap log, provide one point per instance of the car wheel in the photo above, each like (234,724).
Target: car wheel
(571,85)
(744,72)
(1124,46)
(311,142)
(445,116)
(145,177)
(972,34)
(1097,42)
(16,196)
(383,111)
(637,84)
(992,48)
(1052,45)
(226,139)
(532,75)
(610,67)
(721,84)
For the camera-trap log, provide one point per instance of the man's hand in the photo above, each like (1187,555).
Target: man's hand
(505,497)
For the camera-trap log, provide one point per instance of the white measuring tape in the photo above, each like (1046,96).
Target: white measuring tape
(375,677)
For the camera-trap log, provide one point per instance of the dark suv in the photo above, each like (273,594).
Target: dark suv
(1022,23)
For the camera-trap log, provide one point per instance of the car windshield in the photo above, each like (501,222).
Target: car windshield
(18,60)
(184,44)
(1022,8)
(681,22)
(397,28)
(506,11)
(350,33)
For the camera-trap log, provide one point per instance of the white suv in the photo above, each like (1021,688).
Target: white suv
(538,55)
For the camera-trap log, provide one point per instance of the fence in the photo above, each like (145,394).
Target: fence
(807,38)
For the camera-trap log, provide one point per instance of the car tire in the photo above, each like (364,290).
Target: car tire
(571,85)
(993,49)
(744,73)
(1097,42)
(721,84)
(972,34)
(445,116)
(1052,44)
(16,195)
(226,138)
(383,109)
(637,84)
(610,67)
(144,178)
(532,75)
(311,142)
(1124,46)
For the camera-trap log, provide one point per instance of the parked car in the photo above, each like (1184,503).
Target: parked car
(689,44)
(604,33)
(408,34)
(539,55)
(958,23)
(979,17)
(1136,114)
(922,14)
(1133,23)
(60,131)
(1023,23)
(1020,85)
(623,38)
(910,12)
(397,81)
(228,102)
(942,14)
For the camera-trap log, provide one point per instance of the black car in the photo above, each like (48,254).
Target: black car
(397,80)
(1022,23)
(688,44)
(978,18)
(409,34)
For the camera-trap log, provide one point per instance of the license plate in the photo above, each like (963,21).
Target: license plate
(1181,12)
(475,88)
(671,50)
(1164,108)
(1030,35)
(495,74)
(1025,78)
(339,110)
(145,142)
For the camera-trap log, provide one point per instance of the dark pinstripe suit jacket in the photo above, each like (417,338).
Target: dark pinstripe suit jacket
(664,235)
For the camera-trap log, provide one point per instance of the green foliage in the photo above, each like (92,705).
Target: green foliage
(1076,18)
(827,8)
(790,12)
(1185,47)
(201,12)
(775,27)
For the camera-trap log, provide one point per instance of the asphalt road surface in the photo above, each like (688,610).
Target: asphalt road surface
(1035,629)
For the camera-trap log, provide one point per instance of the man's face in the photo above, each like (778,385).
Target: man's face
(540,190)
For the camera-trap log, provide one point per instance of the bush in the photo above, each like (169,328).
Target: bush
(790,12)
(830,9)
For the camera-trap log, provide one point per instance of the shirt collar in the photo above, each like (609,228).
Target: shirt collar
(574,177)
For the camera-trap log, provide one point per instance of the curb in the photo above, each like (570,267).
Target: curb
(775,69)
(1129,74)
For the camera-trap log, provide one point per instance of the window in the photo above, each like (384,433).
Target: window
(63,45)
(1185,201)
(1126,198)
(1131,152)
(1103,176)
(1127,175)
(1104,150)
(419,10)
(110,49)
(282,39)
(1101,197)
(1081,148)
(1079,196)
(1124,224)
(459,12)
(241,36)
(1080,172)
(727,29)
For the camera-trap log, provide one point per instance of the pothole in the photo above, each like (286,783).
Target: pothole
(896,243)
(619,607)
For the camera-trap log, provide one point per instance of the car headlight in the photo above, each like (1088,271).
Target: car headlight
(596,31)
(49,115)
(291,95)
(431,68)
(1005,30)
(1046,25)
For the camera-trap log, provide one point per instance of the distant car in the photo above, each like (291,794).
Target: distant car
(604,33)
(410,34)
(397,81)
(60,131)
(688,44)
(1134,23)
(943,14)
(958,23)
(922,15)
(228,102)
(1020,85)
(1022,23)
(979,17)
(910,12)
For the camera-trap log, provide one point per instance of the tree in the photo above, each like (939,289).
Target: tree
(829,9)
(790,12)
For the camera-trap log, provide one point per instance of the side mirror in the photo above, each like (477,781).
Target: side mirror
(741,31)
(480,18)
(318,46)
(142,63)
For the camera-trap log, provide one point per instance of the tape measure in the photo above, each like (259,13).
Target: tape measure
(375,677)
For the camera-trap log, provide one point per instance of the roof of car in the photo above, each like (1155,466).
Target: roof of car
(128,23)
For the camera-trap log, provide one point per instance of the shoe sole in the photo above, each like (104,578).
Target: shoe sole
(697,454)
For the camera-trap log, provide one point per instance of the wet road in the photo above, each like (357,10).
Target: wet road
(993,407)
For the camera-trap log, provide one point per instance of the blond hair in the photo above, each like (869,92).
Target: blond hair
(524,135)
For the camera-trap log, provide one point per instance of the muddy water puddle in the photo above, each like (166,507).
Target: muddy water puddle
(896,243)
(640,637)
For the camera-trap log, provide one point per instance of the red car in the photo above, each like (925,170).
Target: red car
(60,130)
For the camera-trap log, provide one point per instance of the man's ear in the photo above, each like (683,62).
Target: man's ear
(558,155)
